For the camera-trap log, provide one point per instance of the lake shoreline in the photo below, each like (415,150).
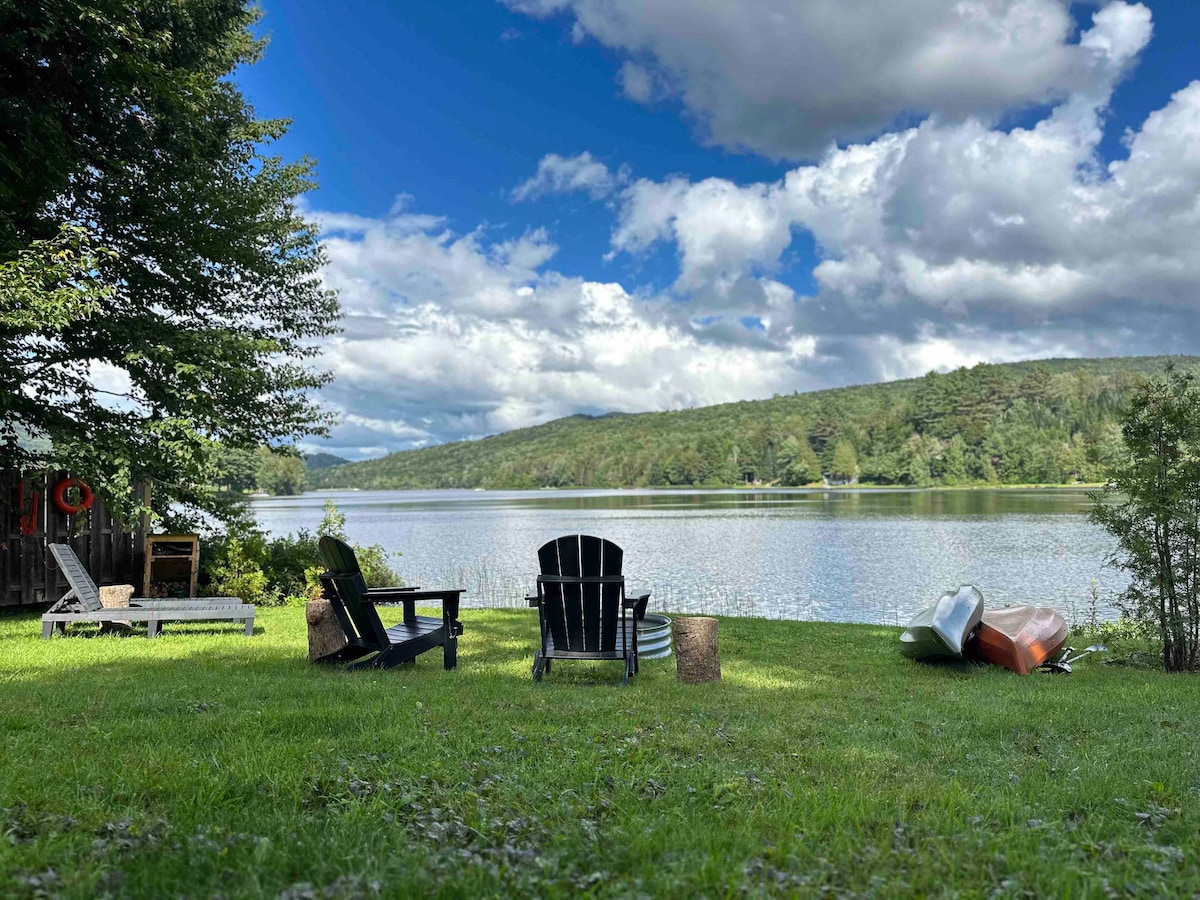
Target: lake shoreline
(693,488)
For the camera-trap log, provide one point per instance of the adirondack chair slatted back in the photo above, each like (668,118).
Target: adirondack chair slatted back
(581,615)
(330,590)
(77,576)
(351,587)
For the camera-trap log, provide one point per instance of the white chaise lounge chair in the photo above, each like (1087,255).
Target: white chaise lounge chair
(82,604)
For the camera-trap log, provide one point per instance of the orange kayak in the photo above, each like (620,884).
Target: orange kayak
(1019,638)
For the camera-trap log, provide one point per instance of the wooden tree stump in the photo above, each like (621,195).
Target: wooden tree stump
(116,596)
(697,657)
(325,633)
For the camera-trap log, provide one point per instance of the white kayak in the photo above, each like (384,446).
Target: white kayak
(944,628)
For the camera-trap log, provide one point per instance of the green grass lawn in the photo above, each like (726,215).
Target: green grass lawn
(207,763)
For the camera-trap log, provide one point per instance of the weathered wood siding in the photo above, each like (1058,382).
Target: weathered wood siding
(28,575)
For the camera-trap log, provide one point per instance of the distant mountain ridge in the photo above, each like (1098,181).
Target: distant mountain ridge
(314,461)
(1051,421)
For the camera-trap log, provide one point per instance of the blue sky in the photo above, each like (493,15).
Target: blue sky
(782,200)
(455,104)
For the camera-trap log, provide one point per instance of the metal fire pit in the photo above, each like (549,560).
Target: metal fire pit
(654,637)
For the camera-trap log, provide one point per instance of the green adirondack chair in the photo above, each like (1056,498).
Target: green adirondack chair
(353,604)
(583,609)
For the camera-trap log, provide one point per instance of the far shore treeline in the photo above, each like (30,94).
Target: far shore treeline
(1047,422)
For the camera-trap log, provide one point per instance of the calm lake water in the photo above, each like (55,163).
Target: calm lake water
(857,556)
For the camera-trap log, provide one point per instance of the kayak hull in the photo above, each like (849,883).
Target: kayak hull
(1019,638)
(944,628)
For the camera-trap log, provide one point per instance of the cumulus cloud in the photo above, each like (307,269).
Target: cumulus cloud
(723,231)
(564,174)
(952,230)
(788,77)
(452,336)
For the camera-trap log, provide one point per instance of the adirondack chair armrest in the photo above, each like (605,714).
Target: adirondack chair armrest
(448,596)
(383,592)
(638,601)
(531,599)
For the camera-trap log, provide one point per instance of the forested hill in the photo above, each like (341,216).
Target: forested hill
(1047,422)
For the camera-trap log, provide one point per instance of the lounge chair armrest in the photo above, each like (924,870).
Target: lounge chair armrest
(373,593)
(531,599)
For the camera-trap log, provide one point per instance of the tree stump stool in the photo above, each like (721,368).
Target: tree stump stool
(116,596)
(697,657)
(113,596)
(325,635)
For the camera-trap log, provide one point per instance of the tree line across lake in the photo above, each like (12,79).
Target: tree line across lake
(1045,422)
(263,470)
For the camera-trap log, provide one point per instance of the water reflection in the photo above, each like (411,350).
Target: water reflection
(864,556)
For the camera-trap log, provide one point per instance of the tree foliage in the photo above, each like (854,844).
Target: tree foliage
(49,286)
(280,472)
(1051,422)
(195,322)
(843,461)
(1152,506)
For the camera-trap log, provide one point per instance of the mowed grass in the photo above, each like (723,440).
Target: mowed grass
(207,763)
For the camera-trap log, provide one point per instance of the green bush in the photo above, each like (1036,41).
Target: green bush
(283,571)
(237,571)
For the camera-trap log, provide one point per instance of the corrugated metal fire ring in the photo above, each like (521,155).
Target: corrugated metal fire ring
(654,637)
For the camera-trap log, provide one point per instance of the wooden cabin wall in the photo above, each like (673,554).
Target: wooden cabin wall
(112,553)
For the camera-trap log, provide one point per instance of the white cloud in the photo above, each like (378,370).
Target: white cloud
(639,83)
(450,336)
(722,231)
(788,77)
(947,225)
(565,174)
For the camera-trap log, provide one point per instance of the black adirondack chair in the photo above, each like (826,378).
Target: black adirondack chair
(582,606)
(354,606)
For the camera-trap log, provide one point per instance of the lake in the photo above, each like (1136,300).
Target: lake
(844,555)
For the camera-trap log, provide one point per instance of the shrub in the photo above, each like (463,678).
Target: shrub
(284,571)
(237,573)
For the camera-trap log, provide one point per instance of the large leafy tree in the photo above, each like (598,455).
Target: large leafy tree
(196,321)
